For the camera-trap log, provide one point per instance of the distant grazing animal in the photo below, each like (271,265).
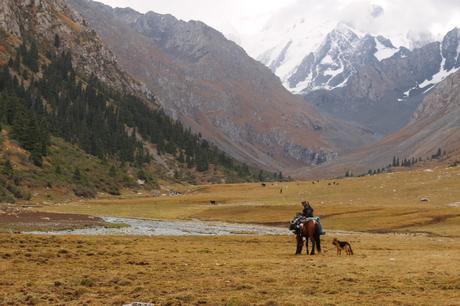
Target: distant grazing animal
(212,202)
(310,230)
(342,245)
(263,184)
(281,190)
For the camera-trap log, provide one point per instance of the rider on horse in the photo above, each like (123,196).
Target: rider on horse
(307,213)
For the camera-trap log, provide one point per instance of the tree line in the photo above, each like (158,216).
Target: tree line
(100,120)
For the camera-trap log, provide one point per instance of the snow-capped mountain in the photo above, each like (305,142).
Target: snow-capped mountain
(337,59)
(331,63)
(449,52)
(293,43)
(365,78)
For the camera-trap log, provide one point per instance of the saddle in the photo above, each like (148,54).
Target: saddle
(294,226)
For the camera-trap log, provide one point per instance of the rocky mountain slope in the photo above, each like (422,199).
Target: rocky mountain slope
(211,85)
(44,19)
(434,125)
(365,78)
(72,119)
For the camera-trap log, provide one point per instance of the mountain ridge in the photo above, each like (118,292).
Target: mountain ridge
(215,88)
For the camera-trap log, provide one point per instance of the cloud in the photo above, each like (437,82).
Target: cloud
(392,18)
(377,11)
(240,18)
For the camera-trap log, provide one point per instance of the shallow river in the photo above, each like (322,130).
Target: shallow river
(140,227)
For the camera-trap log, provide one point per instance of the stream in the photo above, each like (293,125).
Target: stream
(142,227)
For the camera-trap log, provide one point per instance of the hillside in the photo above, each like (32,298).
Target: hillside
(213,86)
(62,91)
(434,125)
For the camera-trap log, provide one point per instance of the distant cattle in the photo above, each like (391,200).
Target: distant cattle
(212,202)
(263,184)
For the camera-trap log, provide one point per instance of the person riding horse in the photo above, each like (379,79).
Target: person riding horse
(307,212)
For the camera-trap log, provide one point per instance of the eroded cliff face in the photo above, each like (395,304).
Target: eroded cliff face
(214,87)
(442,101)
(435,124)
(44,19)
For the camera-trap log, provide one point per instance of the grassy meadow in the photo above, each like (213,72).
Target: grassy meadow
(233,270)
(390,202)
(407,251)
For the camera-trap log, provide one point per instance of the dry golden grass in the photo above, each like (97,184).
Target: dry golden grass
(396,269)
(386,269)
(387,202)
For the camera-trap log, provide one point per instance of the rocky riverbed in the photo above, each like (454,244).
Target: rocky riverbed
(142,227)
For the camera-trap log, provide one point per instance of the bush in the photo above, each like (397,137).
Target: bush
(87,282)
(84,191)
(18,193)
(113,190)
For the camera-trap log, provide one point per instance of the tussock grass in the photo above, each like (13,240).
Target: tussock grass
(386,269)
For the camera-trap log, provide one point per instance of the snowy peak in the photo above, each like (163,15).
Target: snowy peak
(338,57)
(384,48)
(345,32)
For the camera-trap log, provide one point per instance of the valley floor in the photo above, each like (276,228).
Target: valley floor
(234,270)
(404,228)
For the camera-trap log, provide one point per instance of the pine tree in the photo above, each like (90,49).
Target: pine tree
(8,169)
(112,171)
(57,41)
(76,175)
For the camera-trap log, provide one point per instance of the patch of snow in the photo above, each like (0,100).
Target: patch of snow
(333,72)
(406,94)
(382,51)
(327,60)
(441,75)
(429,88)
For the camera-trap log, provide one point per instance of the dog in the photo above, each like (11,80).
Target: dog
(342,245)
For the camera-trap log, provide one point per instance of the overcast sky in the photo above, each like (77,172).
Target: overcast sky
(248,17)
(243,16)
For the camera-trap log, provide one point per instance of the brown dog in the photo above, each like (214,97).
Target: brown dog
(342,245)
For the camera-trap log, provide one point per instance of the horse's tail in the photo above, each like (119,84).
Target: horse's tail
(318,238)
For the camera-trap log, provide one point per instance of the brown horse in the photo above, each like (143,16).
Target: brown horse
(310,230)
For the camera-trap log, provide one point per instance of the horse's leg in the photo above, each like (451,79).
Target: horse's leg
(318,243)
(313,242)
(299,245)
(306,244)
